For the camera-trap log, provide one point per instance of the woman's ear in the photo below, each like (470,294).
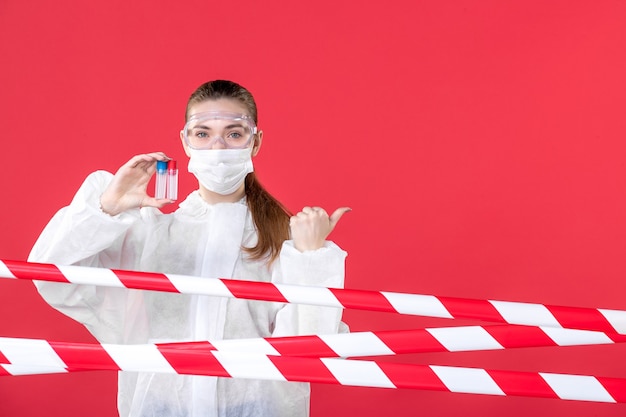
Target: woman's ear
(185,147)
(258,139)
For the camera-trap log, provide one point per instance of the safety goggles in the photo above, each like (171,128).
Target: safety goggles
(216,129)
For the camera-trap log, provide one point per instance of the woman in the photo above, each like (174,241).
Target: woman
(229,227)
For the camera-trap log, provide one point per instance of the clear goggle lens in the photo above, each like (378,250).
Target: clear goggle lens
(215,130)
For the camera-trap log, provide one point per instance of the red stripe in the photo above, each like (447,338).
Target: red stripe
(303,369)
(193,362)
(3,359)
(84,356)
(304,346)
(616,337)
(29,270)
(581,318)
(4,372)
(412,376)
(512,336)
(616,387)
(410,341)
(203,346)
(145,280)
(522,384)
(359,299)
(253,290)
(461,308)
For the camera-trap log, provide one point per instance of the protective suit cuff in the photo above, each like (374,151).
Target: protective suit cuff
(322,267)
(123,217)
(289,246)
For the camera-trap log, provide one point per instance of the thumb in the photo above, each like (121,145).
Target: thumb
(334,218)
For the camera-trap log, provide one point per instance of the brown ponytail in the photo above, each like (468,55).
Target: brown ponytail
(270,217)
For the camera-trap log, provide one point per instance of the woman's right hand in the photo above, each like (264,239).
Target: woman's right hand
(128,188)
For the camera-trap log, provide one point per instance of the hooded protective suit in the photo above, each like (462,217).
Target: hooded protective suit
(201,240)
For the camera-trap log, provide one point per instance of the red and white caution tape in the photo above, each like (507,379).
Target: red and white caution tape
(396,342)
(359,344)
(36,356)
(234,359)
(603,320)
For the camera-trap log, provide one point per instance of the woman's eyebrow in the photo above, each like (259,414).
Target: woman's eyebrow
(234,125)
(230,126)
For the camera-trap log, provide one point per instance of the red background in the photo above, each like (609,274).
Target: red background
(479,143)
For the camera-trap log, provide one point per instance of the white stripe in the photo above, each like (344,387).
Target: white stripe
(356,344)
(458,339)
(4,271)
(30,352)
(577,387)
(299,294)
(467,380)
(573,337)
(92,276)
(417,304)
(248,365)
(197,285)
(357,373)
(142,358)
(33,370)
(245,345)
(525,313)
(617,318)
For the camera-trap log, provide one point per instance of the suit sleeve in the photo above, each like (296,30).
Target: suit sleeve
(81,234)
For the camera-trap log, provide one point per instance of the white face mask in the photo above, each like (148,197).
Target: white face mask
(221,170)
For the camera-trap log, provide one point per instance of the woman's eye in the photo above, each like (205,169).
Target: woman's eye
(235,135)
(201,135)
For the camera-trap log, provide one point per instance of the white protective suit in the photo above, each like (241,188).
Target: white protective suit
(198,239)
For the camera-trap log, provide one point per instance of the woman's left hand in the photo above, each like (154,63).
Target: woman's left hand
(311,227)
